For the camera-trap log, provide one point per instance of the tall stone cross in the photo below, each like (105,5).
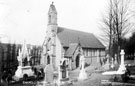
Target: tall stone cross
(122,67)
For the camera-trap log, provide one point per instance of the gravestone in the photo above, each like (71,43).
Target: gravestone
(115,61)
(49,74)
(107,64)
(23,69)
(121,70)
(112,64)
(83,74)
(62,71)
(122,67)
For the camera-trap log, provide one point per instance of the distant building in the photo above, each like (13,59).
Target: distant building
(65,43)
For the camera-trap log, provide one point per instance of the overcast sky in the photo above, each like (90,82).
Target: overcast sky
(27,19)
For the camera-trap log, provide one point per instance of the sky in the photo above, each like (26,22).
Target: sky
(27,19)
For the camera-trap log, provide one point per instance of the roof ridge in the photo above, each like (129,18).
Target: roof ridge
(99,41)
(75,30)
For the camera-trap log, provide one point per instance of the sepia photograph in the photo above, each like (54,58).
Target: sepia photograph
(67,42)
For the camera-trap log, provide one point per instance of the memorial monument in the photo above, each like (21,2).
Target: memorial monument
(83,74)
(63,71)
(112,64)
(21,69)
(49,73)
(121,69)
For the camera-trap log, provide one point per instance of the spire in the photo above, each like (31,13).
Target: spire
(52,9)
(52,15)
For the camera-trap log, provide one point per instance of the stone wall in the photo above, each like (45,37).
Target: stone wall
(58,52)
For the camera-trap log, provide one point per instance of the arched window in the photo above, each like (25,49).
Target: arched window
(48,59)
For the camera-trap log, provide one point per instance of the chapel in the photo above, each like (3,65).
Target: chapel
(67,44)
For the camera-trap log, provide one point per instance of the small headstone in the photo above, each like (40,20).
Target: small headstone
(49,74)
(115,61)
(112,64)
(107,64)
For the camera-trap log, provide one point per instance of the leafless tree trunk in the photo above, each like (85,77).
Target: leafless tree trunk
(116,24)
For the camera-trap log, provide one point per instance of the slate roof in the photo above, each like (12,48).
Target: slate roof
(71,49)
(87,40)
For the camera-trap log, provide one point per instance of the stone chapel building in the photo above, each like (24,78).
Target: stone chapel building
(66,43)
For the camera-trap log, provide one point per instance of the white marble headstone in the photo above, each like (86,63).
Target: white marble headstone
(115,61)
(112,64)
(49,74)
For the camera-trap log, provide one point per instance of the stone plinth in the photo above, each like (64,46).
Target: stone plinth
(18,72)
(23,70)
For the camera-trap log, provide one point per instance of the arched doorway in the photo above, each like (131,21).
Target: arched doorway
(77,61)
(64,70)
(48,59)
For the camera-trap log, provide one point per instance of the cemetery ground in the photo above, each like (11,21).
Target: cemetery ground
(95,78)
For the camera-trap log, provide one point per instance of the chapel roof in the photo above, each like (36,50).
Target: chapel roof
(87,40)
(71,49)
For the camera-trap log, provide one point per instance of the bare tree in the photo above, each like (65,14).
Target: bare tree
(116,24)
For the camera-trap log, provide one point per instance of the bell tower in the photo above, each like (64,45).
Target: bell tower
(52,15)
(52,20)
(50,40)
